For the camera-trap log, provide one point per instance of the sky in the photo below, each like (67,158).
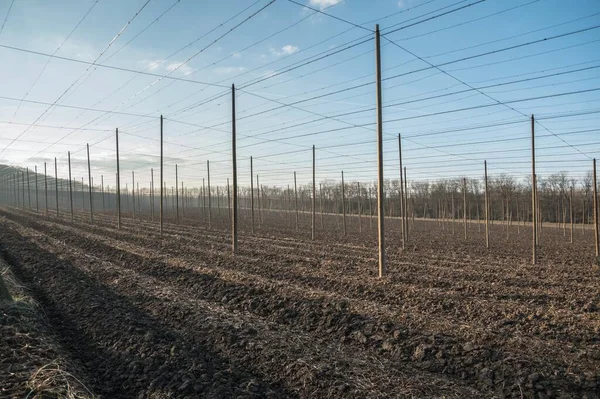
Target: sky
(460,80)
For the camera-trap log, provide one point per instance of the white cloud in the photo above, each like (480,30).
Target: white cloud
(288,49)
(150,65)
(226,70)
(321,4)
(185,69)
(236,55)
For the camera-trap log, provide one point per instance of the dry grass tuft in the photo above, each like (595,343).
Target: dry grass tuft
(51,380)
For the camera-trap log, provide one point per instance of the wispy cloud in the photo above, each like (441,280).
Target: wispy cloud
(288,49)
(157,66)
(321,4)
(150,65)
(185,69)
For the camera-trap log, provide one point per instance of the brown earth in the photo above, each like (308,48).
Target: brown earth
(289,317)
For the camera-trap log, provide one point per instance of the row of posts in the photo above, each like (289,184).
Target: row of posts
(233,201)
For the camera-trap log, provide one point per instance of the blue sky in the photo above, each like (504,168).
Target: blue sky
(267,40)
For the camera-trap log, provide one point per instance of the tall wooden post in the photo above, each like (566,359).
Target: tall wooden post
(90,183)
(23,189)
(70,187)
(119,181)
(152,193)
(402,205)
(161,175)
(228,201)
(359,208)
(370,210)
(45,189)
(533,193)
(252,194)
(203,200)
(595,205)
(56,185)
(28,190)
(453,212)
(487,207)
(37,204)
(314,194)
(406,229)
(380,204)
(234,221)
(321,201)
(209,195)
(16,180)
(296,199)
(176,195)
(133,193)
(571,212)
(344,202)
(103,195)
(258,195)
(465,205)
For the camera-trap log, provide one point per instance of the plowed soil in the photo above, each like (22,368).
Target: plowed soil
(179,316)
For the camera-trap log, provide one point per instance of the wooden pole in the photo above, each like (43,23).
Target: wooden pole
(380,204)
(161,175)
(70,188)
(23,189)
(321,201)
(56,185)
(258,195)
(228,201)
(296,199)
(405,201)
(533,193)
(28,190)
(103,195)
(314,194)
(571,212)
(252,194)
(402,221)
(289,205)
(209,196)
(359,208)
(151,193)
(487,208)
(370,210)
(37,205)
(344,201)
(203,200)
(465,205)
(595,205)
(90,184)
(133,193)
(45,189)
(119,181)
(453,212)
(176,195)
(234,225)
